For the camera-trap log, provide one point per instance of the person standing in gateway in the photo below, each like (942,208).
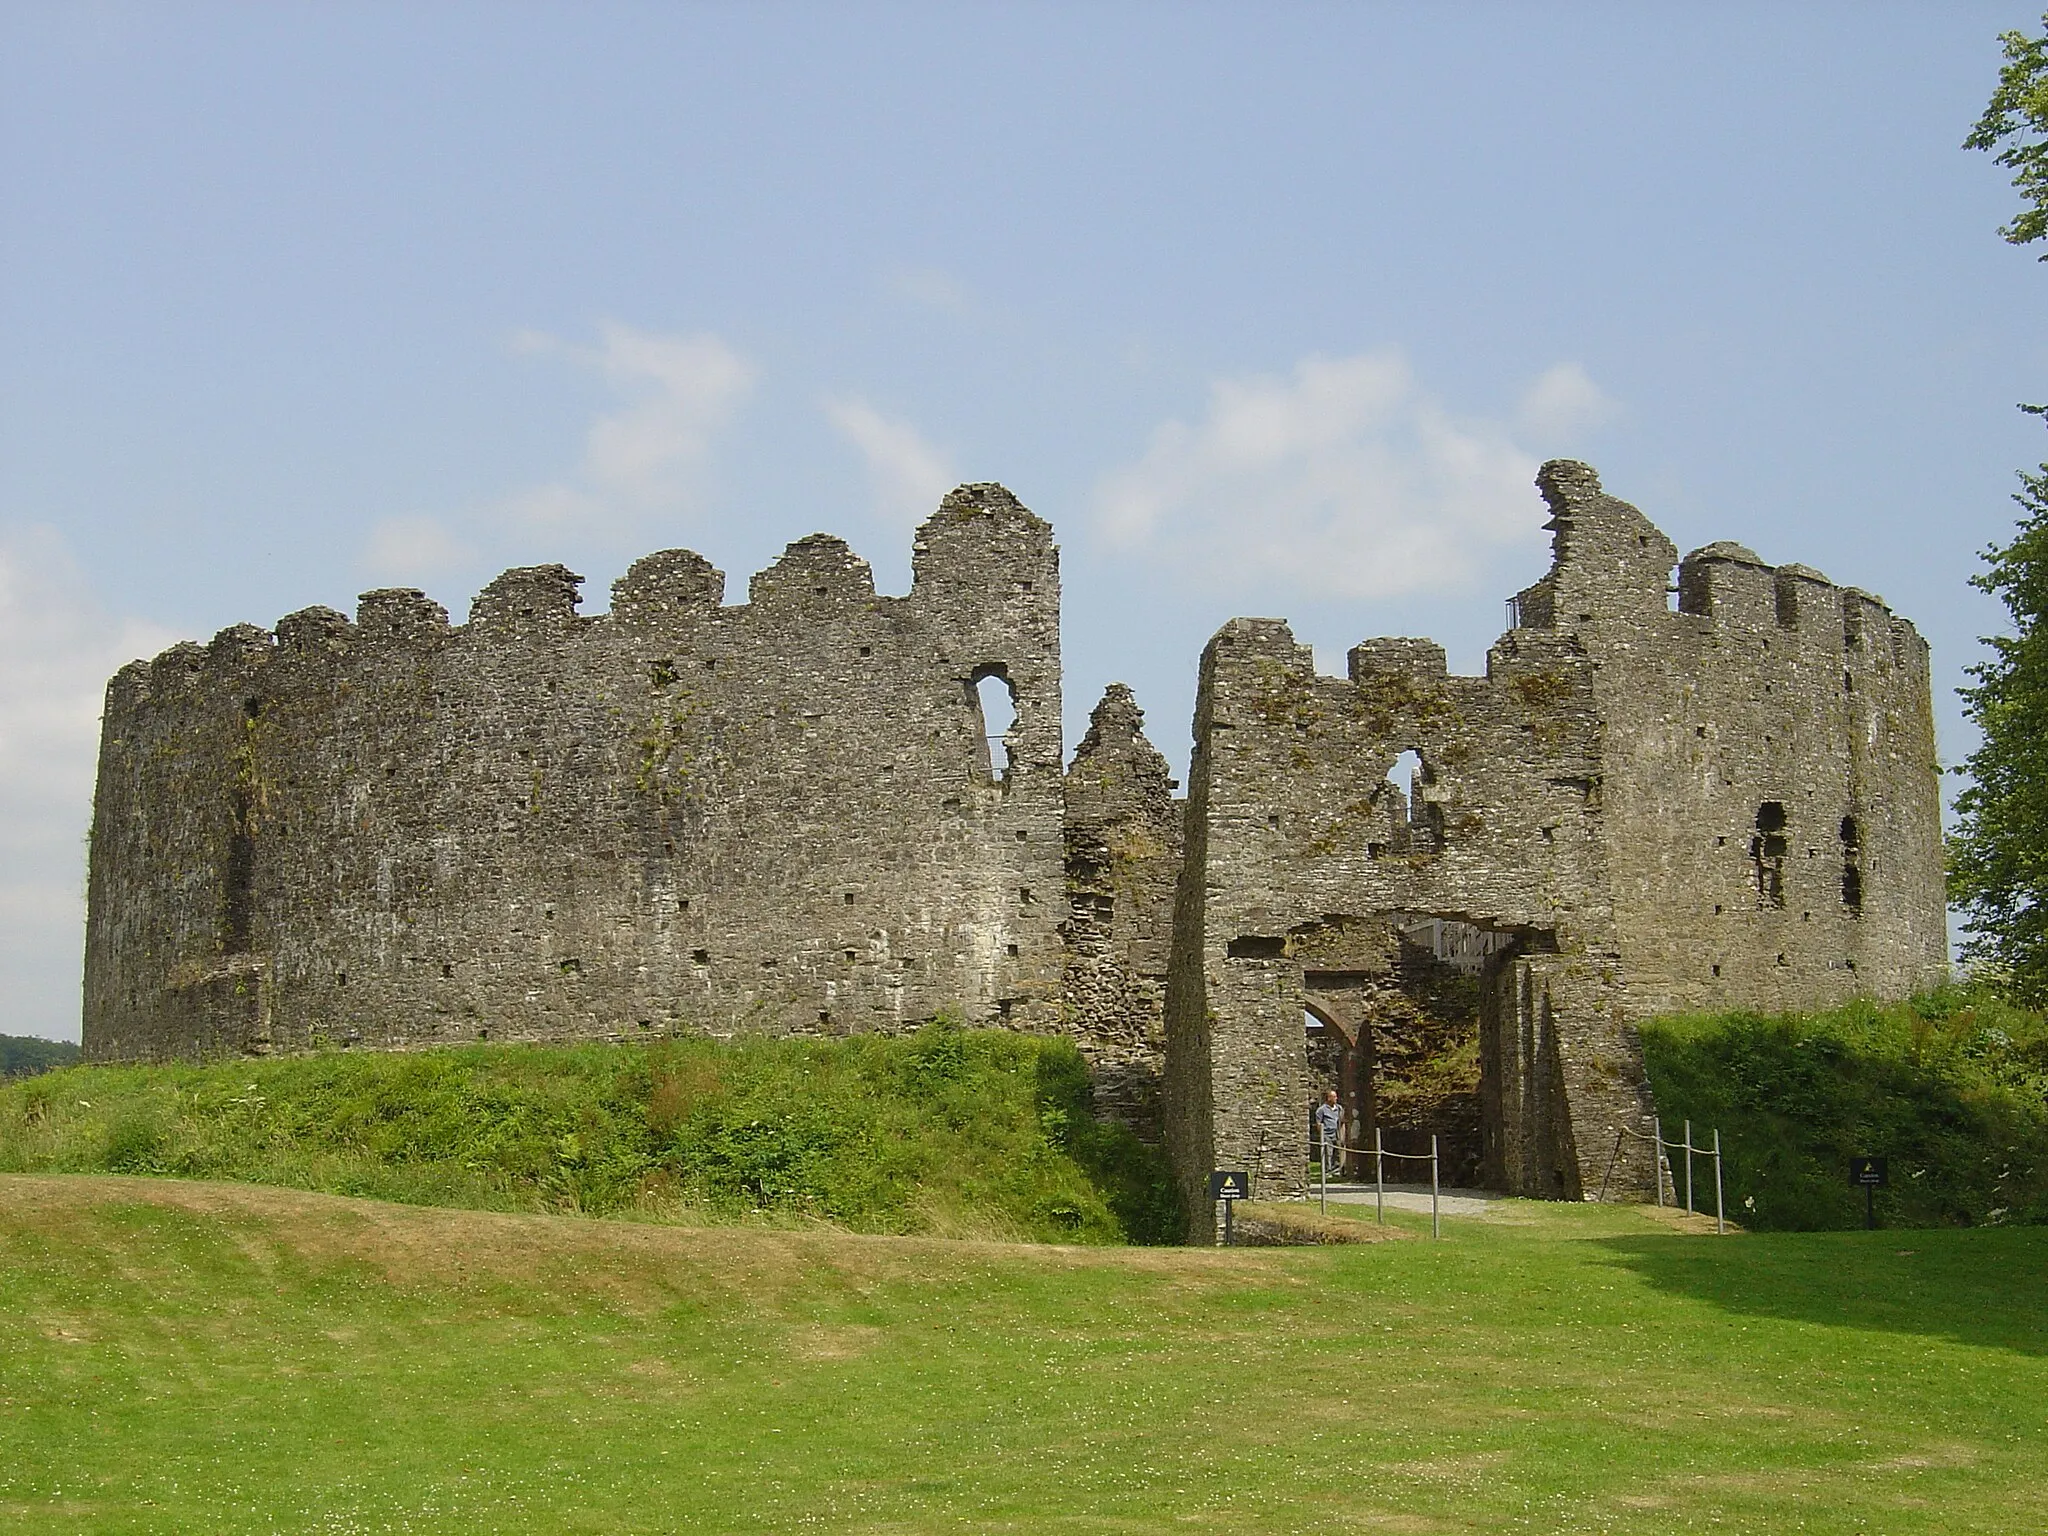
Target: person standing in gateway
(1329,1130)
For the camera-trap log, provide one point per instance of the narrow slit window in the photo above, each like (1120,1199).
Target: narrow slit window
(1767,854)
(995,708)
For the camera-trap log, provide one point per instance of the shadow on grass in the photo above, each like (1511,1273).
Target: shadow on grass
(1985,1287)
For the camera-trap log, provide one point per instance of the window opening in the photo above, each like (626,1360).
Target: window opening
(1407,770)
(995,707)
(1852,866)
(1415,825)
(1256,946)
(1767,854)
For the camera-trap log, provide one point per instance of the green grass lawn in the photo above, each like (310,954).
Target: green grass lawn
(207,1357)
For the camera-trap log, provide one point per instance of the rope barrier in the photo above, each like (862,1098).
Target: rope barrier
(1378,1153)
(1662,1165)
(1330,1151)
(1413,1157)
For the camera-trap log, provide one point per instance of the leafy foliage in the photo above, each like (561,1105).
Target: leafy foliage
(948,1130)
(1952,1088)
(1998,850)
(2015,124)
(25,1055)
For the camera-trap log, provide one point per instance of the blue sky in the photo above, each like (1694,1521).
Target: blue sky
(1270,310)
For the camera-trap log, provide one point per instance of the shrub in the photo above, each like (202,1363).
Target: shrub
(134,1144)
(1951,1088)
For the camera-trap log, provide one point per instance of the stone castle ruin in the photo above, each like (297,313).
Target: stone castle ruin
(1449,897)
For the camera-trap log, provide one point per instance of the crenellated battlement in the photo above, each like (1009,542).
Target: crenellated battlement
(1678,784)
(540,823)
(1610,565)
(982,545)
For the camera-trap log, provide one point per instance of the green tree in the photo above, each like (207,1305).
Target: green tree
(1998,850)
(2015,125)
(25,1055)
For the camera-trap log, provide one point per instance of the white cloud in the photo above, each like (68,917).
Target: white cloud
(908,475)
(414,550)
(642,460)
(61,646)
(1345,478)
(688,388)
(1563,403)
(549,509)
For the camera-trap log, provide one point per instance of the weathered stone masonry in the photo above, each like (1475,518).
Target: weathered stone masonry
(1123,859)
(1637,809)
(786,816)
(776,816)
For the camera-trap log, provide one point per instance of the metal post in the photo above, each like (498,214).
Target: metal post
(1379,1179)
(1657,1155)
(1227,1205)
(1720,1220)
(1324,1169)
(1436,1225)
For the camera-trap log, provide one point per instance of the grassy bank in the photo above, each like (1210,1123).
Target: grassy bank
(226,1358)
(1951,1088)
(950,1131)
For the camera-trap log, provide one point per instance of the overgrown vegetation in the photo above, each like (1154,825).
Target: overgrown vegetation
(1951,1088)
(25,1055)
(950,1130)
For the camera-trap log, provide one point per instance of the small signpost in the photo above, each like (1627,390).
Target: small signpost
(1229,1185)
(1873,1174)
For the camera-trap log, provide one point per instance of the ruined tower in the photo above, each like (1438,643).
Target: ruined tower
(1641,807)
(794,815)
(1123,859)
(784,815)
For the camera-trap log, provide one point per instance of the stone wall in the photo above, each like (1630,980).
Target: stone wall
(1641,807)
(779,816)
(787,816)
(1305,861)
(1123,858)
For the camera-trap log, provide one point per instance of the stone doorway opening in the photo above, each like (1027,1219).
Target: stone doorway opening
(1391,1018)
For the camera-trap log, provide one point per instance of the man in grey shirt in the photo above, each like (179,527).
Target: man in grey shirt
(1330,1130)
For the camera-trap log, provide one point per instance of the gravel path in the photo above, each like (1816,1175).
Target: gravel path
(1413,1197)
